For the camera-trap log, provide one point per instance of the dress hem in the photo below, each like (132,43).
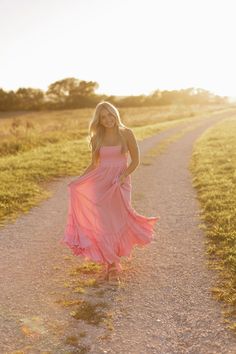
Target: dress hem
(128,239)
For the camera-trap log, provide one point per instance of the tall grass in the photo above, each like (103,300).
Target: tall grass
(25,131)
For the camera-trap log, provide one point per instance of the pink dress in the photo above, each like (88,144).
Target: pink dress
(101,224)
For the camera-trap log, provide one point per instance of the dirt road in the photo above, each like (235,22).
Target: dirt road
(164,304)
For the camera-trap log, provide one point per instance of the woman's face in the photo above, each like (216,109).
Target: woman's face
(107,119)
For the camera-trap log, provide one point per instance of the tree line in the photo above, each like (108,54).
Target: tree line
(71,93)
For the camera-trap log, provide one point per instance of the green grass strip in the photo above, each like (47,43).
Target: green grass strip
(213,166)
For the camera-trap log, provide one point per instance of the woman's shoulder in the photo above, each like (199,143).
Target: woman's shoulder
(128,135)
(126,130)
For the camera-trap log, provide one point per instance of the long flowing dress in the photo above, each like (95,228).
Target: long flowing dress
(101,223)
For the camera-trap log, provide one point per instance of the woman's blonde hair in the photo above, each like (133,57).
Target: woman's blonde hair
(97,130)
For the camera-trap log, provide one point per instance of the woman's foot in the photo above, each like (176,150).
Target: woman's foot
(107,271)
(111,272)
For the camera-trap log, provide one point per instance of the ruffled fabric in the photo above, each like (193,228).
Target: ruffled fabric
(102,226)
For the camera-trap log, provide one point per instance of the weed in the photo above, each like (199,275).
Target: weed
(91,313)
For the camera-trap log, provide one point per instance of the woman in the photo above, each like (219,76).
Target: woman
(101,225)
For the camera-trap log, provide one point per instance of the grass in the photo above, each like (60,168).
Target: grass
(88,268)
(90,313)
(55,146)
(75,342)
(68,303)
(213,166)
(85,278)
(79,278)
(26,131)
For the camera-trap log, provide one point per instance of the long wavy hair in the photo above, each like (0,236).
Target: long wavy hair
(97,130)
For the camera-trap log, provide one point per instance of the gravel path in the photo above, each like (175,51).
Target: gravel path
(164,305)
(168,303)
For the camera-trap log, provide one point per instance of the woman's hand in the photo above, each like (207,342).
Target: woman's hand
(122,179)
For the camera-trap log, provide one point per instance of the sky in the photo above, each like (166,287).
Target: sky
(128,47)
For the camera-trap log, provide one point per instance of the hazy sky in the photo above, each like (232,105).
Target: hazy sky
(127,46)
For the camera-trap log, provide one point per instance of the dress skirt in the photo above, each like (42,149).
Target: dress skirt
(101,223)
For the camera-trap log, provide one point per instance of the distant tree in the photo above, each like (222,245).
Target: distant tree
(29,98)
(62,88)
(132,101)
(72,93)
(85,88)
(3,100)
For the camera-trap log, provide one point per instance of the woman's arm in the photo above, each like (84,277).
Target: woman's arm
(88,169)
(134,152)
(92,165)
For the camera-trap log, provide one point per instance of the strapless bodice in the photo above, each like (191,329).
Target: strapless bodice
(111,155)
